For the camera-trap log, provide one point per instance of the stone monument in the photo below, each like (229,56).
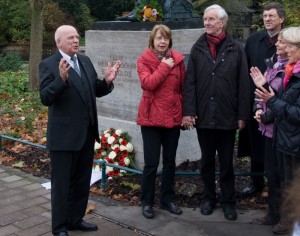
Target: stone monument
(173,10)
(111,41)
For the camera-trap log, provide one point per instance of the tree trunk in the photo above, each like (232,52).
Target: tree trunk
(36,42)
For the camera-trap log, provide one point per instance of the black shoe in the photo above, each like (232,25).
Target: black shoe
(252,191)
(207,207)
(84,226)
(148,212)
(265,220)
(61,234)
(171,207)
(229,212)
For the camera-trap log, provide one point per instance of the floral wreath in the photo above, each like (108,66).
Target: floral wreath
(149,12)
(115,148)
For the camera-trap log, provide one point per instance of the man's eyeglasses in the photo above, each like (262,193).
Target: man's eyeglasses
(270,16)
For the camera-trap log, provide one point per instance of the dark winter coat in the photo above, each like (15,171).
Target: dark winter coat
(161,103)
(257,50)
(217,91)
(286,107)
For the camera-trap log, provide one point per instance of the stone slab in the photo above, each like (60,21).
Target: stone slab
(119,109)
(11,178)
(191,23)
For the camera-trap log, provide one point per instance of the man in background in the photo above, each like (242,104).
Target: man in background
(259,46)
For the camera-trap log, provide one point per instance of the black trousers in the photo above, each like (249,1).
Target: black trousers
(257,145)
(70,184)
(273,172)
(291,165)
(221,141)
(153,139)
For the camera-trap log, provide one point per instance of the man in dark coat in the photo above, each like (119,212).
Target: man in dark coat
(259,46)
(69,87)
(216,101)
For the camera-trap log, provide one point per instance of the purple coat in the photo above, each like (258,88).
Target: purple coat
(274,75)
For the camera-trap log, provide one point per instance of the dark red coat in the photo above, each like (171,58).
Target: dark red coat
(161,103)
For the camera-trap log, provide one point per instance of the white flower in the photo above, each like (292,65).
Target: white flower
(120,140)
(97,168)
(111,139)
(129,147)
(109,169)
(123,148)
(126,161)
(97,146)
(23,118)
(122,172)
(113,147)
(112,155)
(118,132)
(107,135)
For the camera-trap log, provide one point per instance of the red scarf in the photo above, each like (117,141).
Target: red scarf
(288,74)
(213,42)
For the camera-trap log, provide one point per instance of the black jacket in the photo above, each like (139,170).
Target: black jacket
(257,50)
(67,102)
(286,107)
(217,91)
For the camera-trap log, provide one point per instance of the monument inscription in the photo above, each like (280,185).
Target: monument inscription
(119,109)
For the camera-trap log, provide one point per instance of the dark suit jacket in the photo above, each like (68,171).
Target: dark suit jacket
(67,104)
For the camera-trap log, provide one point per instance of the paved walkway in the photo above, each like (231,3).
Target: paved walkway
(25,211)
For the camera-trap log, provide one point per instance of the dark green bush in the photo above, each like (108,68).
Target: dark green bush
(10,62)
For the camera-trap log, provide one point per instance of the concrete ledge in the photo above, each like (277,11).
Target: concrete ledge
(192,23)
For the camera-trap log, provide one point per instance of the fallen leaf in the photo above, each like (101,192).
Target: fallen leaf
(19,164)
(90,208)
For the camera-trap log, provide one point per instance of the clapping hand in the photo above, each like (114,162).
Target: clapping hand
(257,77)
(263,94)
(112,71)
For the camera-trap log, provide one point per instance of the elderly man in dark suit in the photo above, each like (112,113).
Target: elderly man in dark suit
(69,86)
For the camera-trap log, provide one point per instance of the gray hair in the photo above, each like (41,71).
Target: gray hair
(60,30)
(292,35)
(222,15)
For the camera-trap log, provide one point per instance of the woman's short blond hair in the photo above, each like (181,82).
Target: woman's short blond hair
(292,35)
(165,31)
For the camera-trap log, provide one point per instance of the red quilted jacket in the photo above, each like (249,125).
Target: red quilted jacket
(161,103)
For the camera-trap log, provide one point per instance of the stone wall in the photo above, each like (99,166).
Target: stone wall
(119,109)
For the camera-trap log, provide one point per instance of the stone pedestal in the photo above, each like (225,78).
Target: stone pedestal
(119,109)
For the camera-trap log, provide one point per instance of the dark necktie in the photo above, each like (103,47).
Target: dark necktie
(75,67)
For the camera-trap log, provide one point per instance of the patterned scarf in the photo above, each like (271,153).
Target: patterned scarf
(290,70)
(270,41)
(161,55)
(213,42)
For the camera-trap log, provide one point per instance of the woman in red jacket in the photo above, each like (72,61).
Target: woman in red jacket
(161,72)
